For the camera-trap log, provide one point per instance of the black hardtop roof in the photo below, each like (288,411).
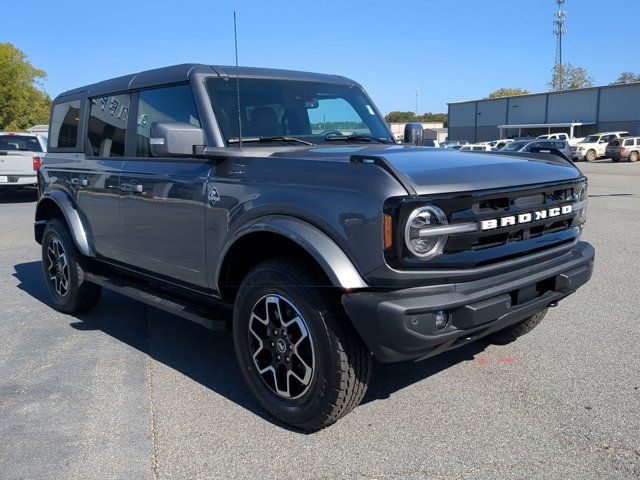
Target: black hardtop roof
(181,73)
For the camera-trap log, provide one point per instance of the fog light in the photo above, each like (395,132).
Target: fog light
(441,319)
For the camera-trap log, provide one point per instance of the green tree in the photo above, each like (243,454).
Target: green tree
(508,92)
(567,77)
(400,117)
(22,103)
(406,117)
(627,77)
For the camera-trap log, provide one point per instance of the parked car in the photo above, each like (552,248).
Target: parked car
(453,143)
(332,247)
(561,136)
(476,147)
(529,145)
(20,157)
(594,146)
(559,145)
(517,145)
(627,148)
(498,144)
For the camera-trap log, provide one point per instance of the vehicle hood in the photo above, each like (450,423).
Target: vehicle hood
(435,170)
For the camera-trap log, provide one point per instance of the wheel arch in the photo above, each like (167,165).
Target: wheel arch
(272,236)
(57,204)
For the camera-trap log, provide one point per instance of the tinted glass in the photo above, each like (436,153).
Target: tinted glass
(614,143)
(108,125)
(171,104)
(65,119)
(626,142)
(308,110)
(22,143)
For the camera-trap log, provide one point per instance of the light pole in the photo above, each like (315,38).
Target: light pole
(417,92)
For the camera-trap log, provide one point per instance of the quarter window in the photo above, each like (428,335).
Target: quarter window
(108,125)
(65,119)
(171,104)
(628,142)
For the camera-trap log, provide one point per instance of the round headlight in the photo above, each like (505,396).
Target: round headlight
(421,240)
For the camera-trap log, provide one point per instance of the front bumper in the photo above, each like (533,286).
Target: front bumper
(400,325)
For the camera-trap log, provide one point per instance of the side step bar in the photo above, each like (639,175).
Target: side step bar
(174,306)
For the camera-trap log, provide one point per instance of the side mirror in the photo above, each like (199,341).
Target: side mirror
(413,133)
(170,139)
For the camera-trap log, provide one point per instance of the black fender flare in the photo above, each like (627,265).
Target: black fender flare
(71,215)
(335,263)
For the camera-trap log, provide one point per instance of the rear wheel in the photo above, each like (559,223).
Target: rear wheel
(510,334)
(298,353)
(591,156)
(63,273)
(633,156)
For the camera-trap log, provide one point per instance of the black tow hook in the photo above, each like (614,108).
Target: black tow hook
(553,304)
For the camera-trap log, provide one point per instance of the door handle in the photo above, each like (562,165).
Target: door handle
(80,182)
(132,187)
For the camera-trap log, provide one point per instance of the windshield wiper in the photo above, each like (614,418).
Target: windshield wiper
(354,138)
(276,138)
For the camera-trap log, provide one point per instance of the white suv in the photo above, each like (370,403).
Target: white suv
(20,157)
(594,146)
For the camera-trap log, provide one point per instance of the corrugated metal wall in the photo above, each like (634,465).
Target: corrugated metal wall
(530,109)
(463,114)
(492,112)
(577,106)
(610,107)
(620,104)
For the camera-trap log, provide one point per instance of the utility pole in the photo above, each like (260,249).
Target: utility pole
(559,31)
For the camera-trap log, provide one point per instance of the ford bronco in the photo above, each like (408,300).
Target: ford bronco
(284,195)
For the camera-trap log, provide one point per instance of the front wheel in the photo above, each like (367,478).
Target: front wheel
(512,333)
(299,355)
(63,273)
(591,156)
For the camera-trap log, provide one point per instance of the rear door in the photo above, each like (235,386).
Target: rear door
(96,179)
(163,199)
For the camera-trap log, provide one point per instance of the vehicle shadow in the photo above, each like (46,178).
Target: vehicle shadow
(208,357)
(18,196)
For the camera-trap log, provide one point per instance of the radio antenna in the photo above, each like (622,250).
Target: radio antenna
(235,36)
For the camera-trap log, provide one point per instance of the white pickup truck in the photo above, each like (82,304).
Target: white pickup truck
(572,141)
(594,146)
(20,157)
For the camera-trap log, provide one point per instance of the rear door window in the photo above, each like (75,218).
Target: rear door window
(108,125)
(170,104)
(65,119)
(626,142)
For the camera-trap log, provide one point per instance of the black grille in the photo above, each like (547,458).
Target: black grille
(480,248)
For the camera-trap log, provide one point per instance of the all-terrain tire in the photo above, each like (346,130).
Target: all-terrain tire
(341,362)
(512,333)
(63,271)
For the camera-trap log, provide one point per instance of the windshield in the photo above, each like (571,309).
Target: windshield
(591,139)
(23,143)
(310,111)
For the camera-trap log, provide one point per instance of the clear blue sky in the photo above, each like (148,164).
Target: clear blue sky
(452,50)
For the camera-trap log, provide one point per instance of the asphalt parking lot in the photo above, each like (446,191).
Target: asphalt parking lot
(129,392)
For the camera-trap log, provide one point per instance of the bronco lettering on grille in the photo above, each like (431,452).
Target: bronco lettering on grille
(528,217)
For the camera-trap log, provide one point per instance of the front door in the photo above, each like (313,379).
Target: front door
(163,199)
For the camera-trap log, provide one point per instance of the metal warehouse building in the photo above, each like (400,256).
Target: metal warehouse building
(578,112)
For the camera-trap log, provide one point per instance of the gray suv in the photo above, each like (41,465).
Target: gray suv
(284,195)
